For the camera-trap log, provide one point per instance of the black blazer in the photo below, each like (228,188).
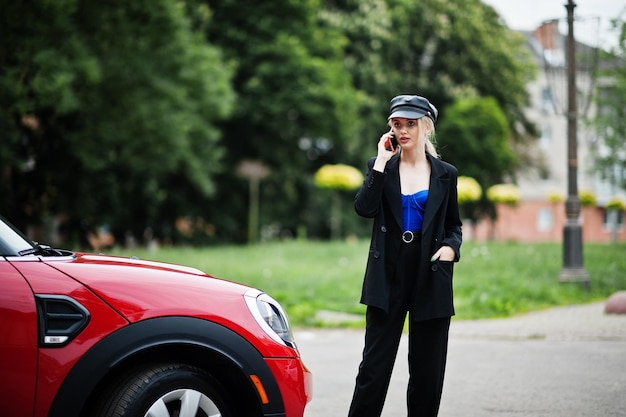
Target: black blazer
(380,198)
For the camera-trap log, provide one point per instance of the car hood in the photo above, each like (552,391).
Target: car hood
(140,289)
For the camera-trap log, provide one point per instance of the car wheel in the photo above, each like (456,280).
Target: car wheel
(171,390)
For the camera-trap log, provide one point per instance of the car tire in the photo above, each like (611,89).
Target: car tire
(167,390)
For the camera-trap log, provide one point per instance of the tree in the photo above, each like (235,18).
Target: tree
(609,149)
(469,193)
(446,52)
(474,137)
(337,178)
(367,26)
(295,106)
(137,99)
(111,107)
(442,50)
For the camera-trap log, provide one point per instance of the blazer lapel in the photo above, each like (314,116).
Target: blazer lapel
(392,189)
(439,179)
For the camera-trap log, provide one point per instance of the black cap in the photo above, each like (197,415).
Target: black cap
(412,107)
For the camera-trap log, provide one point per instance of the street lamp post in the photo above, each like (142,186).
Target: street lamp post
(573,269)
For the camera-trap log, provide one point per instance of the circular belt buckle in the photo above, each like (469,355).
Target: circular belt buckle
(408,236)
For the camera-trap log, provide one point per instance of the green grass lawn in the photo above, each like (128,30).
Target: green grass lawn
(492,279)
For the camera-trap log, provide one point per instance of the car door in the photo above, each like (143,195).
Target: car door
(18,343)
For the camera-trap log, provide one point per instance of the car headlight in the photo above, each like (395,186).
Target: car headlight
(270,316)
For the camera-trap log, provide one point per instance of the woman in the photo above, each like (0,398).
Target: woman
(416,238)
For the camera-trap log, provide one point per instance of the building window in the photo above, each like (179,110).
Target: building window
(546,100)
(611,216)
(545,219)
(546,136)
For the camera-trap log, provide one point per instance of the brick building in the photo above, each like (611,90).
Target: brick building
(536,218)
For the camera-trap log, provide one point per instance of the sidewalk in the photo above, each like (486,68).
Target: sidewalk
(579,322)
(562,362)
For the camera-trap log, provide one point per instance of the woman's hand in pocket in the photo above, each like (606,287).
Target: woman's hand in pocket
(445,253)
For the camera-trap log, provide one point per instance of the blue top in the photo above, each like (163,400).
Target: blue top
(413,210)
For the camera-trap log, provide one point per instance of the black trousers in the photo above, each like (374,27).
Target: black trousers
(428,347)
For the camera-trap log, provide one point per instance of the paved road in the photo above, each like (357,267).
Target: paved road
(563,362)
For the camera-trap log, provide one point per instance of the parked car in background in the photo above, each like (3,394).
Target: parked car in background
(95,335)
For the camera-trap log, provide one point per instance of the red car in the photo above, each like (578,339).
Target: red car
(93,335)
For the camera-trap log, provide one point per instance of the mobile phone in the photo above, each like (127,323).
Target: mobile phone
(391,143)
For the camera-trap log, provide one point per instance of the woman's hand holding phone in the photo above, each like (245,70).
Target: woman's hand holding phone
(391,143)
(387,147)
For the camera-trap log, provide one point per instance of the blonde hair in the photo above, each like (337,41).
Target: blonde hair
(428,125)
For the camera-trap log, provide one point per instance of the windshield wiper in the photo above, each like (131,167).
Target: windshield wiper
(38,249)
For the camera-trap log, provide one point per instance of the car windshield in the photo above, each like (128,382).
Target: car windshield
(12,242)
